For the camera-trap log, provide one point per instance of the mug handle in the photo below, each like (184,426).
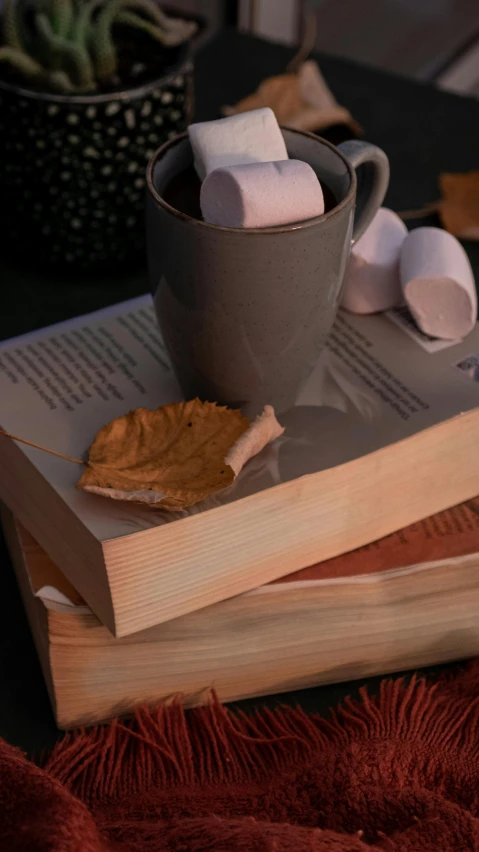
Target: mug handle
(373,181)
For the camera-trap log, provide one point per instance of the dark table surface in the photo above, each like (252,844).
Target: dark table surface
(423,131)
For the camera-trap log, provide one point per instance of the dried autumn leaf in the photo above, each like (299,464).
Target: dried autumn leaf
(459,206)
(169,458)
(301,100)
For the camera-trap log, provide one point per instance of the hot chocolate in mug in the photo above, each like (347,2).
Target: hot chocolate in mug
(245,313)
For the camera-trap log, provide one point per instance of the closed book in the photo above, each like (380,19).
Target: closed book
(408,600)
(384,433)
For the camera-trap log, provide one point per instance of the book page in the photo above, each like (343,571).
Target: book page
(373,385)
(61,384)
(447,535)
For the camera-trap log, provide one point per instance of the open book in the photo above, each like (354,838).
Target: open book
(384,433)
(407,600)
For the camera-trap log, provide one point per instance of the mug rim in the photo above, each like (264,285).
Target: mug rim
(273,229)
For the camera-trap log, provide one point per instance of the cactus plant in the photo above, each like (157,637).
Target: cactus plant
(69,45)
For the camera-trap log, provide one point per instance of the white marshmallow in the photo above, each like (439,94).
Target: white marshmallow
(372,280)
(250,137)
(261,195)
(438,283)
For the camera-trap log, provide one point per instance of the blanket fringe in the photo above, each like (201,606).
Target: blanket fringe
(168,747)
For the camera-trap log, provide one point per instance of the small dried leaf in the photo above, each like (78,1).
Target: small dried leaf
(169,458)
(302,101)
(459,207)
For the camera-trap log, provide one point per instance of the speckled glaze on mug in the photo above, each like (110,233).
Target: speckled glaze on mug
(245,313)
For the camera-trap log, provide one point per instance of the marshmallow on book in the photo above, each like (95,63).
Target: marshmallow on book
(250,137)
(372,281)
(261,195)
(438,283)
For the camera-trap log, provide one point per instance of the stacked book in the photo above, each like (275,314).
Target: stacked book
(336,553)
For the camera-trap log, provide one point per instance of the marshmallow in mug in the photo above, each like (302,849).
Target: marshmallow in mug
(372,280)
(261,195)
(438,283)
(250,137)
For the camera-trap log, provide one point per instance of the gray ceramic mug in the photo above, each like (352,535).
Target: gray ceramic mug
(245,313)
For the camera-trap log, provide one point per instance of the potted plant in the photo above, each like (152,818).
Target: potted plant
(88,90)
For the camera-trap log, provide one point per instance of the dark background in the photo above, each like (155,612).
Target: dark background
(433,40)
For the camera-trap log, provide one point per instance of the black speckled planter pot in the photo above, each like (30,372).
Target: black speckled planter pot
(72,169)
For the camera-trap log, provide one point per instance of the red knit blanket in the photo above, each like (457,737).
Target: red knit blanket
(399,772)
